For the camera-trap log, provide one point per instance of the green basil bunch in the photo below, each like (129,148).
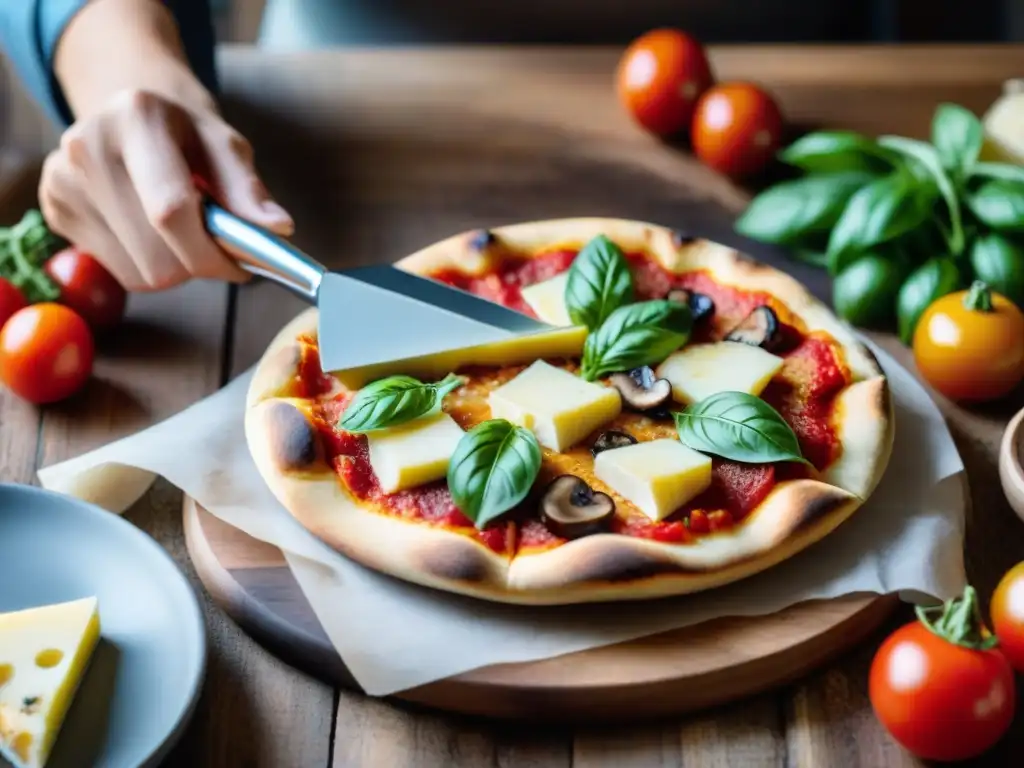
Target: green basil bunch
(898,222)
(24,248)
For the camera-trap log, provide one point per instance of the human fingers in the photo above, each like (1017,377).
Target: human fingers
(69,213)
(154,161)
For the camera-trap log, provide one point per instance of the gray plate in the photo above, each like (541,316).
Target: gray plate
(145,678)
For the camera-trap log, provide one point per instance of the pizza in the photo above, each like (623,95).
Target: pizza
(693,418)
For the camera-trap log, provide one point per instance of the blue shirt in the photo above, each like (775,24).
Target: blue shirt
(30,29)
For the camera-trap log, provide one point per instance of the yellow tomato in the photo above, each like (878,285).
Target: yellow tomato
(969,345)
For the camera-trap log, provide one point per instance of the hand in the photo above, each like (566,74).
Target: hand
(121,187)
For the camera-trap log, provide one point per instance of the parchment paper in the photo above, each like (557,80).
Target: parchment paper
(394,635)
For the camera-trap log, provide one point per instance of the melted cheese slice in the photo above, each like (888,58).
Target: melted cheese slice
(558,407)
(563,342)
(658,476)
(547,299)
(702,370)
(414,453)
(44,653)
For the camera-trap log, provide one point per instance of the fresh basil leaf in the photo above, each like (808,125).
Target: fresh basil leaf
(957,134)
(999,262)
(999,204)
(789,210)
(1004,171)
(492,469)
(877,213)
(833,151)
(739,427)
(864,293)
(599,283)
(635,335)
(395,400)
(932,280)
(926,163)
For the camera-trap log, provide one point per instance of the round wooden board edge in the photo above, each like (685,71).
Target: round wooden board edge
(551,689)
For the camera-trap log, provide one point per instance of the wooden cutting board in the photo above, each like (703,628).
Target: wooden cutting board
(673,672)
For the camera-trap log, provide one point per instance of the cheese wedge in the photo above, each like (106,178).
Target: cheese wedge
(414,453)
(563,342)
(558,407)
(702,370)
(658,476)
(44,653)
(547,299)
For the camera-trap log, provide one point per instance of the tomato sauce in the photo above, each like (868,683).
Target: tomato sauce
(803,392)
(431,503)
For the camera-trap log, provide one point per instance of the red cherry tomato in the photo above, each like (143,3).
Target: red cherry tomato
(11,300)
(46,352)
(87,287)
(940,699)
(737,128)
(659,79)
(1007,610)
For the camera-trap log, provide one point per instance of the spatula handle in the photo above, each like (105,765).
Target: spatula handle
(262,253)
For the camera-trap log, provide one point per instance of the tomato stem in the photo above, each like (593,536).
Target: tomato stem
(958,621)
(979,297)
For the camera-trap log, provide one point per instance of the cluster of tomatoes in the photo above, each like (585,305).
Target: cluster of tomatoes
(46,349)
(665,82)
(944,685)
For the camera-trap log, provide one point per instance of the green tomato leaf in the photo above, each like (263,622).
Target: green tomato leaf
(739,427)
(834,151)
(789,210)
(492,469)
(999,203)
(1003,171)
(864,293)
(957,134)
(926,164)
(635,335)
(999,262)
(932,280)
(877,213)
(599,283)
(395,400)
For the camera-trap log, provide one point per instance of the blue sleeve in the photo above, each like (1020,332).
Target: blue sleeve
(30,29)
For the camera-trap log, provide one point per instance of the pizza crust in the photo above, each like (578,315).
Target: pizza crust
(796,514)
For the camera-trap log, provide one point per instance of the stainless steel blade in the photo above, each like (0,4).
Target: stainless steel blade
(369,315)
(364,324)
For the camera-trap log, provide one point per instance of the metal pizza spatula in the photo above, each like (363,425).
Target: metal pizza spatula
(371,314)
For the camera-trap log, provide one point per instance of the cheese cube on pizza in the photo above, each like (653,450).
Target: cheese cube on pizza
(414,453)
(702,370)
(547,300)
(558,407)
(658,476)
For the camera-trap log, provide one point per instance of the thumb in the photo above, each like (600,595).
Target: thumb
(235,183)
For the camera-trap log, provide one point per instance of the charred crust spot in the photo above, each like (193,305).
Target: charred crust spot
(619,563)
(294,443)
(816,503)
(681,238)
(455,561)
(481,240)
(872,357)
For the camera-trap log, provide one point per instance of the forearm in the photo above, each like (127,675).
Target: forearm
(147,55)
(32,31)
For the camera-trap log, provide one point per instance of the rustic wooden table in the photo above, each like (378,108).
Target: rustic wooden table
(378,153)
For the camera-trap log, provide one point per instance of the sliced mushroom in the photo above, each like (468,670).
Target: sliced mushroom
(571,508)
(641,390)
(701,305)
(612,439)
(758,329)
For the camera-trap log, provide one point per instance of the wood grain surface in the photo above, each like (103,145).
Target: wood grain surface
(377,153)
(665,674)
